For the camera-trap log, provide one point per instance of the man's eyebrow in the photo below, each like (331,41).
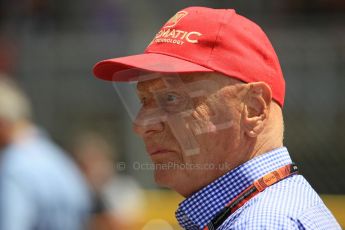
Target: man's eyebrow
(140,93)
(148,86)
(140,87)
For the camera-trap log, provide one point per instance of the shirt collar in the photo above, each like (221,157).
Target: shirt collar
(197,210)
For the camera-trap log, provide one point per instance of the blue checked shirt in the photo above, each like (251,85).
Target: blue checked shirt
(289,204)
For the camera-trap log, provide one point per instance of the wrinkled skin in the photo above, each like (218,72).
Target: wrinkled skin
(214,122)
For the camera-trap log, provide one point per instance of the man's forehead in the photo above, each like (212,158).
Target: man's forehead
(158,81)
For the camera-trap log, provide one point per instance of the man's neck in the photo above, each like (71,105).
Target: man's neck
(264,145)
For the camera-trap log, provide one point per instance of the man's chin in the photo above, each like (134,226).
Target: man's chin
(165,178)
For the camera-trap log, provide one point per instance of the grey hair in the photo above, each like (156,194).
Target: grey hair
(14,105)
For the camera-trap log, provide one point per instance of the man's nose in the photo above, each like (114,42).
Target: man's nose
(145,125)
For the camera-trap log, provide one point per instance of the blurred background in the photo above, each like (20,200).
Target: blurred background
(49,47)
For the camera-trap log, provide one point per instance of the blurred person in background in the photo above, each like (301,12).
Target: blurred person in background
(117,199)
(41,188)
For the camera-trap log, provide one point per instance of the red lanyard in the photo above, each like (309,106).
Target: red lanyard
(257,187)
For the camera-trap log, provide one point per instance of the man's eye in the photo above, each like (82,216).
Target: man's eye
(171,97)
(173,102)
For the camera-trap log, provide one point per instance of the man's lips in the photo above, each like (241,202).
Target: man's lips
(157,151)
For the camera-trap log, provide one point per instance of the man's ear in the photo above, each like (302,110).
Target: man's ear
(256,108)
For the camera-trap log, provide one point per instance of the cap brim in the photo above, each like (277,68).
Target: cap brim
(149,62)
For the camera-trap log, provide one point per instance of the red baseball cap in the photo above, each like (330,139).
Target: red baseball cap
(200,39)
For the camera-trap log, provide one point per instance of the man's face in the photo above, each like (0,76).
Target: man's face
(196,128)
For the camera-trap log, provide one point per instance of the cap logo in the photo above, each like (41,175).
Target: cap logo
(168,34)
(175,19)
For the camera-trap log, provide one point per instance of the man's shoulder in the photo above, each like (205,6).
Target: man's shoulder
(288,204)
(34,153)
(39,162)
(291,196)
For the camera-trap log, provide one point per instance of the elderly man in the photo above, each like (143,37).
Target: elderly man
(212,92)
